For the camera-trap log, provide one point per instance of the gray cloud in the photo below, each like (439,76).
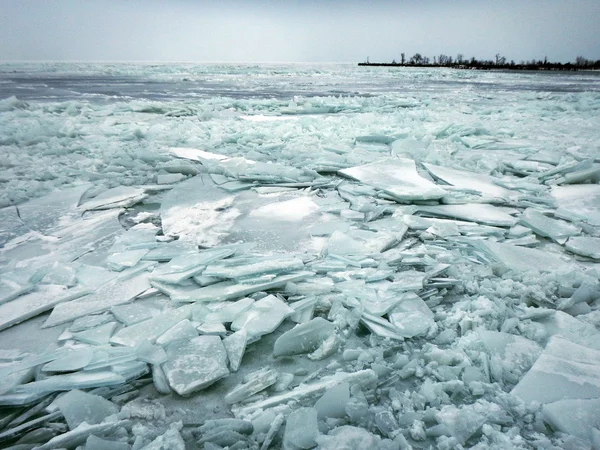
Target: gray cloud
(310,30)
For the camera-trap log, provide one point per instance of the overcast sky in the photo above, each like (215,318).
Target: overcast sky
(294,30)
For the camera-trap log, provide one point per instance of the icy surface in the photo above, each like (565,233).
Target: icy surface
(334,256)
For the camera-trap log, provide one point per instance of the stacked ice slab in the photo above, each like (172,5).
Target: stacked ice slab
(433,306)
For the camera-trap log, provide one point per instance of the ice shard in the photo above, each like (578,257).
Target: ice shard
(195,364)
(473,212)
(556,230)
(112,294)
(303,338)
(78,407)
(396,177)
(263,317)
(485,184)
(564,370)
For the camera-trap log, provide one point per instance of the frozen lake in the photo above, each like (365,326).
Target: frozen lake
(335,256)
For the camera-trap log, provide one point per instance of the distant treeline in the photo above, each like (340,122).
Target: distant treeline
(500,62)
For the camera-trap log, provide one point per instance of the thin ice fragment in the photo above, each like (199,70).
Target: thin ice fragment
(235,345)
(150,329)
(181,330)
(115,293)
(396,177)
(78,407)
(473,212)
(303,338)
(253,382)
(71,360)
(556,230)
(584,246)
(96,336)
(301,429)
(263,317)
(35,303)
(195,364)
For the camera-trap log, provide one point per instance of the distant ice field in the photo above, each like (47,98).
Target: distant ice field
(62,122)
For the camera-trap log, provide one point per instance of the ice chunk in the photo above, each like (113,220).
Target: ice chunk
(228,290)
(362,379)
(112,294)
(30,305)
(171,440)
(263,317)
(78,407)
(216,329)
(301,429)
(96,336)
(9,290)
(472,212)
(463,179)
(87,322)
(122,260)
(349,437)
(169,178)
(568,327)
(516,354)
(411,317)
(584,246)
(381,327)
(152,354)
(575,417)
(96,443)
(122,196)
(80,434)
(198,211)
(464,421)
(49,213)
(235,345)
(151,329)
(303,338)
(12,225)
(396,177)
(580,202)
(556,230)
(565,370)
(195,364)
(524,259)
(196,155)
(131,314)
(71,360)
(181,330)
(253,382)
(293,210)
(229,311)
(253,265)
(333,402)
(66,382)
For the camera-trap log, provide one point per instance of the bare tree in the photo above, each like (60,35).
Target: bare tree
(403,58)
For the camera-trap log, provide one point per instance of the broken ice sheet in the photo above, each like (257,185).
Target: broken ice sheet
(235,345)
(66,382)
(301,429)
(70,360)
(581,202)
(132,313)
(96,336)
(263,317)
(181,330)
(396,177)
(114,293)
(584,246)
(150,329)
(303,338)
(411,317)
(253,265)
(486,184)
(195,364)
(253,382)
(556,230)
(473,212)
(121,196)
(228,290)
(565,370)
(35,303)
(78,407)
(522,259)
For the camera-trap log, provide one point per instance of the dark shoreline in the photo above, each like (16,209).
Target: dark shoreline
(517,67)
